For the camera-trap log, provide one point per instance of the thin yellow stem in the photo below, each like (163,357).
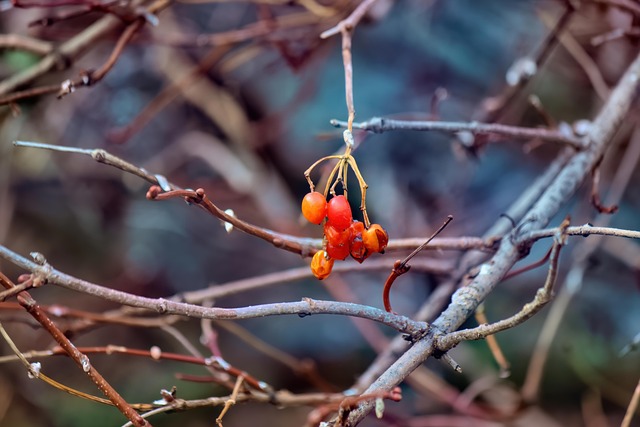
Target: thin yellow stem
(307,173)
(363,190)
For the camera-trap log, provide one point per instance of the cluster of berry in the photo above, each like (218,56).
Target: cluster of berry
(343,236)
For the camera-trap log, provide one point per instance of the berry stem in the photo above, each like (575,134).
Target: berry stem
(307,173)
(363,190)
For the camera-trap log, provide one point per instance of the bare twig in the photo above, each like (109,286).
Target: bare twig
(494,346)
(302,246)
(231,401)
(381,124)
(401,267)
(346,28)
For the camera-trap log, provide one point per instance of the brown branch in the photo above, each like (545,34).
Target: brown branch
(81,359)
(299,245)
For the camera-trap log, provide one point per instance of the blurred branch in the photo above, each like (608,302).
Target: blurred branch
(495,106)
(381,124)
(69,51)
(81,359)
(633,406)
(29,44)
(588,65)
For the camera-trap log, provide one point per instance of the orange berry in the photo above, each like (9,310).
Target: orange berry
(314,207)
(321,266)
(375,238)
(339,212)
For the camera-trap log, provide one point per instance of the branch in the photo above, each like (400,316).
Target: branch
(299,245)
(81,359)
(29,44)
(466,299)
(303,308)
(87,79)
(346,28)
(582,230)
(381,124)
(543,296)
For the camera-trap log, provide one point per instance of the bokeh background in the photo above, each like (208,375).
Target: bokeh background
(246,130)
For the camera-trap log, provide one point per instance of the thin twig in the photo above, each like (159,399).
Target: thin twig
(346,28)
(401,267)
(231,401)
(381,124)
(631,409)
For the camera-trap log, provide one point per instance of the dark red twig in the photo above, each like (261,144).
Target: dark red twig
(401,267)
(595,195)
(529,267)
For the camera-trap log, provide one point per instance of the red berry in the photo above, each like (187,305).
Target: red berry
(336,237)
(339,212)
(338,251)
(375,238)
(314,207)
(321,266)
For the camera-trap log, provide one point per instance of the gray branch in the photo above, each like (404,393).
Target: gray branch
(465,301)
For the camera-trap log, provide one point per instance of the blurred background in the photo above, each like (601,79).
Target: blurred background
(244,120)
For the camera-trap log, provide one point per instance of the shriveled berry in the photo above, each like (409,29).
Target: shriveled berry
(338,251)
(375,238)
(339,212)
(321,265)
(314,207)
(356,245)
